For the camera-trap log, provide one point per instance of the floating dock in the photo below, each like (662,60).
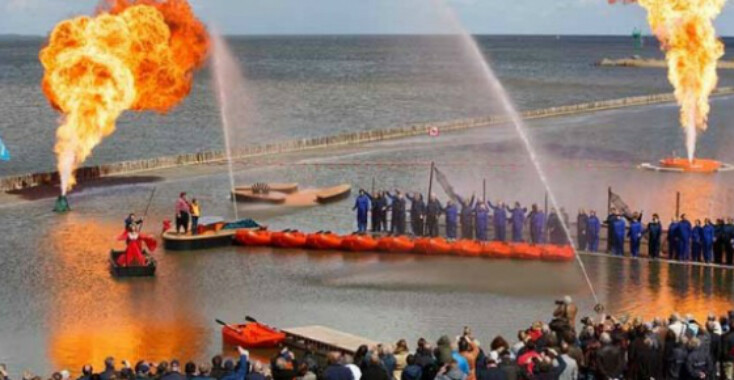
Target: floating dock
(322,338)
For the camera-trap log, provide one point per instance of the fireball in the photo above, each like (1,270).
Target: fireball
(133,55)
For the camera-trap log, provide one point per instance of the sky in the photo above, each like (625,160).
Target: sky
(37,17)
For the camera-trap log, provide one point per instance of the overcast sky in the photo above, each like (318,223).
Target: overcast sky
(371,16)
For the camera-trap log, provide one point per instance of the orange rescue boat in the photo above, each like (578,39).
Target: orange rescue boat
(466,248)
(359,243)
(289,239)
(439,246)
(252,335)
(253,237)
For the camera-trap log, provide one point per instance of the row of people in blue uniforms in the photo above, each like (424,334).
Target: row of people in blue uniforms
(701,242)
(471,215)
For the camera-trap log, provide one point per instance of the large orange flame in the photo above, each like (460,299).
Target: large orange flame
(687,35)
(133,55)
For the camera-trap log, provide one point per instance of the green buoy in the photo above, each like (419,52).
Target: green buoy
(62,205)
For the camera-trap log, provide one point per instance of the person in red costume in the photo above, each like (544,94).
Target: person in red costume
(136,244)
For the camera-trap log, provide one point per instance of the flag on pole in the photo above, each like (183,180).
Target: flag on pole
(4,154)
(444,182)
(620,205)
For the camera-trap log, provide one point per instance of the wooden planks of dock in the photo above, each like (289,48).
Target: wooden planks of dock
(323,338)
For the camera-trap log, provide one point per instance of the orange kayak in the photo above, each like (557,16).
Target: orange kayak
(496,249)
(253,237)
(290,239)
(328,241)
(420,245)
(254,335)
(359,243)
(439,246)
(557,253)
(527,251)
(467,248)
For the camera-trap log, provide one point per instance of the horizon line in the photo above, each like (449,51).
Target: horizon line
(23,35)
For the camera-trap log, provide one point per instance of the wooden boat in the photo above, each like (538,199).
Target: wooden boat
(333,194)
(209,239)
(287,188)
(253,238)
(359,243)
(439,246)
(131,271)
(252,335)
(252,197)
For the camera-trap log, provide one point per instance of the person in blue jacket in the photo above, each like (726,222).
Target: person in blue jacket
(517,218)
(379,204)
(537,225)
(482,220)
(654,233)
(707,240)
(635,235)
(618,229)
(452,219)
(467,217)
(685,230)
(362,205)
(696,241)
(397,207)
(500,220)
(242,367)
(593,227)
(673,239)
(609,222)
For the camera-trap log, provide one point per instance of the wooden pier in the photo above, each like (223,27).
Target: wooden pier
(324,339)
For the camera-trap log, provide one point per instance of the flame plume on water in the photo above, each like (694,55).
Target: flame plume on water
(133,55)
(686,33)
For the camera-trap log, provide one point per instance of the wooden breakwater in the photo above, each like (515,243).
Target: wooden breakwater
(24,181)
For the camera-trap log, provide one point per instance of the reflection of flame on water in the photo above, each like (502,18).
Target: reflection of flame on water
(94,316)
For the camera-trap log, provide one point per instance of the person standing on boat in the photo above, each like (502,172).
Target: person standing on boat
(537,225)
(673,239)
(183,210)
(719,241)
(362,205)
(696,241)
(593,227)
(452,219)
(618,228)
(582,221)
(417,213)
(131,221)
(654,234)
(728,236)
(467,221)
(378,204)
(482,220)
(556,233)
(136,244)
(397,206)
(685,231)
(707,240)
(609,222)
(635,235)
(433,211)
(517,218)
(195,214)
(499,217)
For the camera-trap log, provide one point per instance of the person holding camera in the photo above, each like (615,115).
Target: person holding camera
(564,317)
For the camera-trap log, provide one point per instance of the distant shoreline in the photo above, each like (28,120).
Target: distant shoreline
(650,63)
